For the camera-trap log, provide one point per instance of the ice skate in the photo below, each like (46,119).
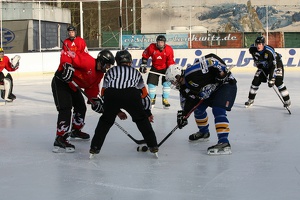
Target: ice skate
(165,103)
(287,104)
(12,96)
(93,152)
(199,137)
(249,103)
(153,102)
(154,150)
(79,135)
(61,145)
(219,149)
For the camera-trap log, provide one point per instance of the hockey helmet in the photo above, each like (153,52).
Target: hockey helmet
(160,38)
(260,39)
(173,73)
(123,56)
(105,57)
(71,28)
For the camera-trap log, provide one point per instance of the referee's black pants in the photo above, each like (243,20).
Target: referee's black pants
(128,99)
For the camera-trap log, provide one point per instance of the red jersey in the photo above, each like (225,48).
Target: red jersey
(76,45)
(5,64)
(160,59)
(85,75)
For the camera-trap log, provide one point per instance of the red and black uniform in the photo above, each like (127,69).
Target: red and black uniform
(76,45)
(161,60)
(6,64)
(66,95)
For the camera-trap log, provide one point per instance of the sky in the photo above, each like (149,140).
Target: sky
(264,163)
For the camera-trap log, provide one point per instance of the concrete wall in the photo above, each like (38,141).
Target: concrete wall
(34,11)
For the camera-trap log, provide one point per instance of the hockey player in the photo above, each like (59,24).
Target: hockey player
(87,73)
(162,57)
(209,80)
(123,87)
(269,69)
(74,44)
(6,81)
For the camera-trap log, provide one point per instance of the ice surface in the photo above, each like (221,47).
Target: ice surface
(264,165)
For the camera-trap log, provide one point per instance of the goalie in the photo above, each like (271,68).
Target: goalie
(6,82)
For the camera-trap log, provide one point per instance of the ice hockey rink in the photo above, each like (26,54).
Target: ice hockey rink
(264,165)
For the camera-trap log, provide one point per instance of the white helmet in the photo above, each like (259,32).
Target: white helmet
(172,72)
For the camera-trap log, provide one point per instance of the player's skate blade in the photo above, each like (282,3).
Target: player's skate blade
(92,156)
(63,150)
(220,149)
(249,103)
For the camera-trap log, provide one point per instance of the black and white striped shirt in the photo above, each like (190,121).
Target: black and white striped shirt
(121,77)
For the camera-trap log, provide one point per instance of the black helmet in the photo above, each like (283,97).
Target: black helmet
(71,28)
(260,39)
(105,57)
(161,38)
(123,57)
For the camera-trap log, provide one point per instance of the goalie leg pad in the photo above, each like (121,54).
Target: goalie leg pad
(7,89)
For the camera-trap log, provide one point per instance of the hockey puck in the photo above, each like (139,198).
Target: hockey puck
(142,148)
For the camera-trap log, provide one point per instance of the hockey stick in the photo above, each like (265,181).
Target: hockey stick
(145,148)
(176,127)
(278,94)
(135,140)
(118,125)
(70,53)
(157,73)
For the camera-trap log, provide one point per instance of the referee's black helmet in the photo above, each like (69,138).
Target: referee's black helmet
(123,57)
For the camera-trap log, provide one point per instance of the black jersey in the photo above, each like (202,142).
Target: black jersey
(267,59)
(204,72)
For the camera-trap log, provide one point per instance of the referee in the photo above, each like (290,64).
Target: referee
(124,88)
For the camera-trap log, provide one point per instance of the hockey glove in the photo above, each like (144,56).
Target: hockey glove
(278,72)
(271,82)
(143,68)
(187,93)
(181,120)
(15,62)
(261,64)
(67,73)
(207,91)
(97,106)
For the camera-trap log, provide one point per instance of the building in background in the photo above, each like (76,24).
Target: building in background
(28,27)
